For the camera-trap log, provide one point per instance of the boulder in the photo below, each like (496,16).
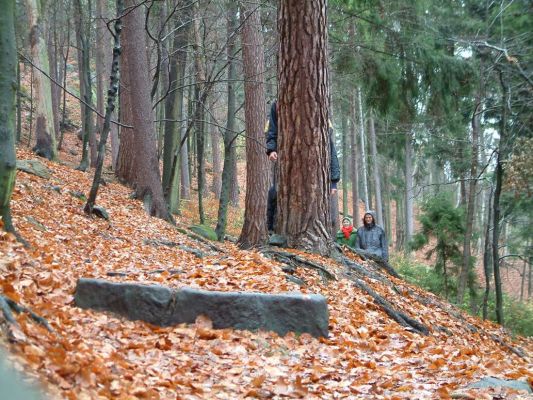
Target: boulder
(204,231)
(163,306)
(34,167)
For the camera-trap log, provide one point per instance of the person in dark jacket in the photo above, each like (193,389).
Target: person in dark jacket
(272,146)
(371,238)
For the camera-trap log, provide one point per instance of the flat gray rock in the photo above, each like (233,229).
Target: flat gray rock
(34,167)
(491,381)
(159,305)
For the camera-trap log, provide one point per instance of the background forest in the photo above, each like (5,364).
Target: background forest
(431,105)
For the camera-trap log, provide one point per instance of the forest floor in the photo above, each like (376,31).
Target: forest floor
(91,355)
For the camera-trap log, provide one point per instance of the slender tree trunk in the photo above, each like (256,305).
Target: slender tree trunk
(363,147)
(64,107)
(19,105)
(200,111)
(303,138)
(355,164)
(409,191)
(498,175)
(217,162)
(8,76)
(228,169)
(83,39)
(254,231)
(44,128)
(174,111)
(52,60)
(469,221)
(111,98)
(345,159)
(487,269)
(376,169)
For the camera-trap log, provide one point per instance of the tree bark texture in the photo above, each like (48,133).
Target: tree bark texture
(44,127)
(303,137)
(8,87)
(147,178)
(254,231)
(409,191)
(345,160)
(362,135)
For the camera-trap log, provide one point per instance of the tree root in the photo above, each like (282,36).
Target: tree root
(398,316)
(8,306)
(375,261)
(297,261)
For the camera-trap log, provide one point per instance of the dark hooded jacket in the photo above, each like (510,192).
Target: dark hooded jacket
(272,145)
(372,239)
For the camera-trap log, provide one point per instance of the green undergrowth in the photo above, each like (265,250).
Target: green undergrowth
(518,315)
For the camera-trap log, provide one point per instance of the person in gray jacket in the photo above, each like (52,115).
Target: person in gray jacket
(371,238)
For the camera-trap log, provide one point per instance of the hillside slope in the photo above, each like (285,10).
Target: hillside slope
(97,355)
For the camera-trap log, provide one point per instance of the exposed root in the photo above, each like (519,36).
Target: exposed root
(8,306)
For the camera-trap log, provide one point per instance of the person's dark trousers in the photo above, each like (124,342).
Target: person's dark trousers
(272,203)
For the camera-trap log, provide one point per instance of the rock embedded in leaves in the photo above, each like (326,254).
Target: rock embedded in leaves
(34,167)
(204,231)
(159,305)
(492,382)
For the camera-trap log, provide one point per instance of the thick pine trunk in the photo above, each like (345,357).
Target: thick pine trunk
(254,231)
(44,127)
(8,79)
(303,137)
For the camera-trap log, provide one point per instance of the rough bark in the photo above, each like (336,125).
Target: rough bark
(44,127)
(254,231)
(303,142)
(8,86)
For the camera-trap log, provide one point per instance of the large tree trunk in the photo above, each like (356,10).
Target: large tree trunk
(303,137)
(466,266)
(44,127)
(8,76)
(147,179)
(254,231)
(354,160)
(376,169)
